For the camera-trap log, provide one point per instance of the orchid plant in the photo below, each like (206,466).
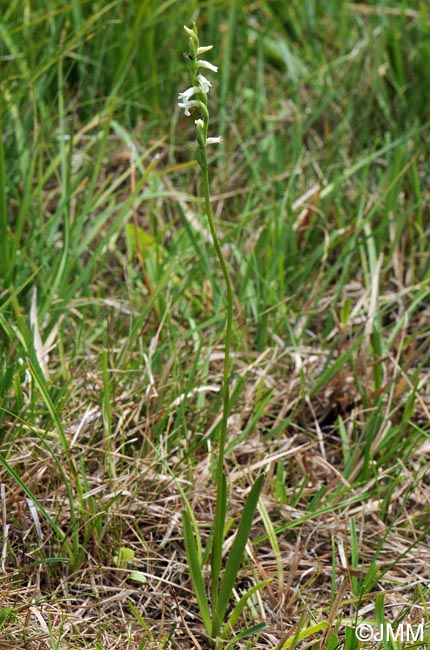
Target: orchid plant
(222,582)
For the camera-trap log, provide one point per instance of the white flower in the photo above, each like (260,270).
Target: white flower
(204,49)
(216,140)
(185,100)
(205,64)
(205,84)
(188,93)
(199,123)
(186,105)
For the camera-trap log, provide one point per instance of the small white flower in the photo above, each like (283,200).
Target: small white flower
(185,100)
(204,49)
(185,96)
(205,64)
(216,140)
(199,124)
(186,105)
(205,84)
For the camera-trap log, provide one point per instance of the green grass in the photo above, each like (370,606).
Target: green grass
(112,313)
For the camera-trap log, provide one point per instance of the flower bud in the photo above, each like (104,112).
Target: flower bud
(200,128)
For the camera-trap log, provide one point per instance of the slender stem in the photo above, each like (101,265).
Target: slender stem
(221,498)
(229,317)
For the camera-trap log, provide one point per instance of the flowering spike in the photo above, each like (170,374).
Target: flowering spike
(196,95)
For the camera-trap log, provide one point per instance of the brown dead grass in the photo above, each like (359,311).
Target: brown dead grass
(142,507)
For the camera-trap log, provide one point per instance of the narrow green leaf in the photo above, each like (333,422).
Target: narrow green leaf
(18,226)
(195,571)
(61,536)
(250,631)
(238,608)
(4,238)
(346,442)
(235,558)
(4,615)
(140,619)
(273,542)
(304,634)
(218,538)
(41,384)
(354,556)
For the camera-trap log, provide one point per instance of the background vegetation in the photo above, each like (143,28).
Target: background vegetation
(112,312)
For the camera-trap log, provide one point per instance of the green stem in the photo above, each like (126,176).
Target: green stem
(218,531)
(229,318)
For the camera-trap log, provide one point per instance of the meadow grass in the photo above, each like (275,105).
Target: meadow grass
(112,312)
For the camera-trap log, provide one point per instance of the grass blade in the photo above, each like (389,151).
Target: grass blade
(60,534)
(195,571)
(250,631)
(217,540)
(235,558)
(4,241)
(238,608)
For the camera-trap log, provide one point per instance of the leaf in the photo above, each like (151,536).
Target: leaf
(61,536)
(273,541)
(4,615)
(332,641)
(124,556)
(196,572)
(218,538)
(235,558)
(138,576)
(138,239)
(250,631)
(303,634)
(238,608)
(4,228)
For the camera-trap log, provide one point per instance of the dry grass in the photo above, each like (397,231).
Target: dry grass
(140,505)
